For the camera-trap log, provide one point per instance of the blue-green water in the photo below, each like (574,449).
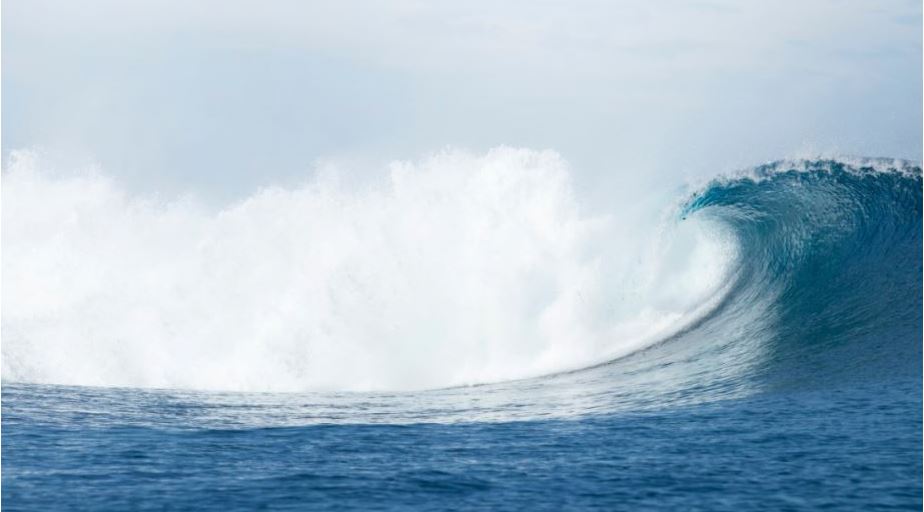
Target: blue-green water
(800,391)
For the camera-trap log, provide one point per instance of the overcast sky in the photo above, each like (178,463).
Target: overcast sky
(222,97)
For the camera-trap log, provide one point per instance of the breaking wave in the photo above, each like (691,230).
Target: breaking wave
(464,269)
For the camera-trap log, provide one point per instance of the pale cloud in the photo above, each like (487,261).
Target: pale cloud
(230,95)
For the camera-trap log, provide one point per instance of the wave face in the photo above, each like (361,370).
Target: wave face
(463,269)
(830,260)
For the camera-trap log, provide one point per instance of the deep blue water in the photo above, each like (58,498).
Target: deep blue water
(844,449)
(800,391)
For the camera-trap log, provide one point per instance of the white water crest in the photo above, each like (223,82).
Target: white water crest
(455,269)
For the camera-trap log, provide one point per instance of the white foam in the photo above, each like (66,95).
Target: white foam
(454,269)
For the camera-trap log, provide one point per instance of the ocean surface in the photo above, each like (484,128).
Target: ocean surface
(796,385)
